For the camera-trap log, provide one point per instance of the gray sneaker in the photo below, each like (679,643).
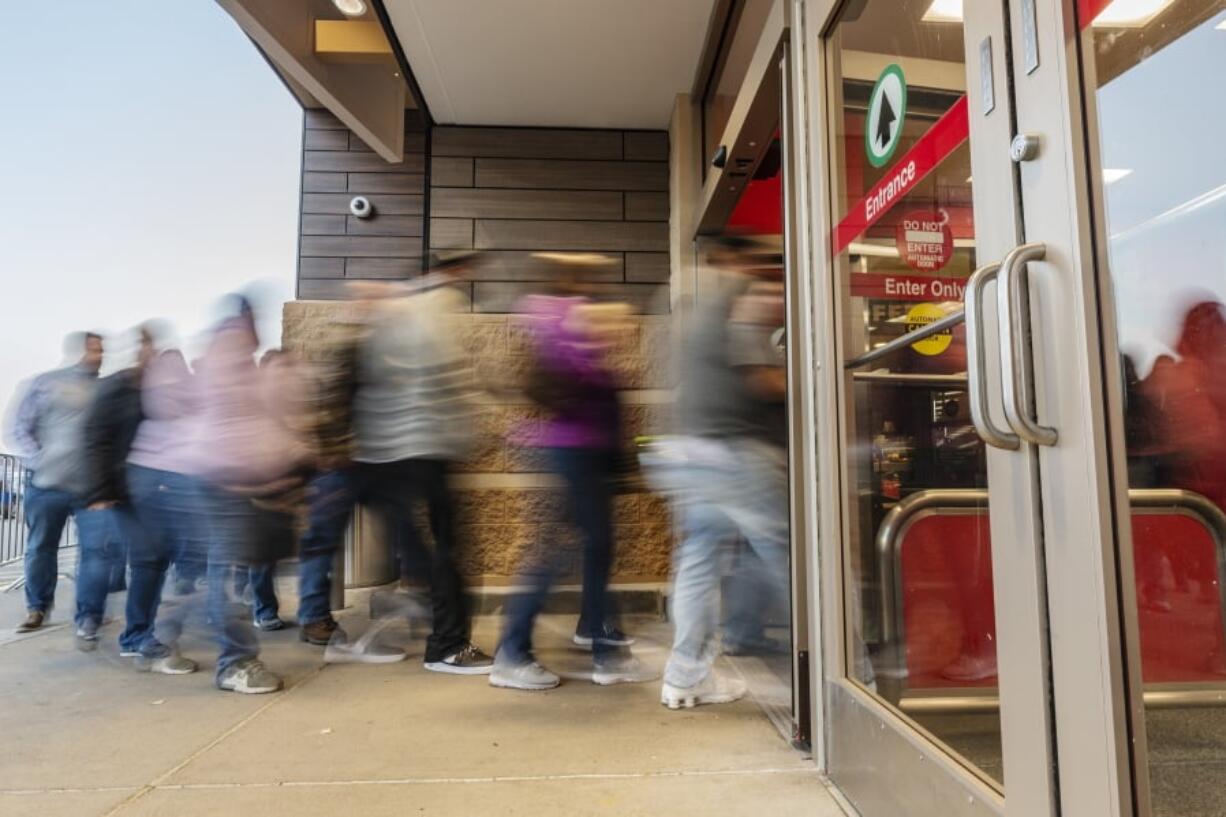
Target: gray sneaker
(249,677)
(268,625)
(621,669)
(466,661)
(87,635)
(526,675)
(173,664)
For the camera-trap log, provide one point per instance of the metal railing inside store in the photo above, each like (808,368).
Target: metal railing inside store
(893,652)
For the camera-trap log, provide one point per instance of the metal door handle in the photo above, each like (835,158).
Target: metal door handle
(1017,363)
(976,364)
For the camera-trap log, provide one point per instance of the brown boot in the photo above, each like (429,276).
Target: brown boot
(34,620)
(322,632)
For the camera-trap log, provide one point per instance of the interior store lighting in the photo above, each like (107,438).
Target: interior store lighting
(350,8)
(943,11)
(1117,14)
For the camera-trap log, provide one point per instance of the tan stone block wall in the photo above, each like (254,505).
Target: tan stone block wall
(508,509)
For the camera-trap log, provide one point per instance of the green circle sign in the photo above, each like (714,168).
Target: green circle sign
(887,107)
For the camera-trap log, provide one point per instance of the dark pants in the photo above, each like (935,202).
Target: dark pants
(588,477)
(47,512)
(395,489)
(105,536)
(167,506)
(333,495)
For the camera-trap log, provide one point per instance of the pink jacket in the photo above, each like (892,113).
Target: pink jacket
(244,434)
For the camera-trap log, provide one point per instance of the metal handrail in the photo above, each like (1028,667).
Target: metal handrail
(911,509)
(14,479)
(902,341)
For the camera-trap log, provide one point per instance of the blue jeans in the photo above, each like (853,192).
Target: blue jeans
(333,496)
(105,536)
(588,476)
(733,485)
(47,512)
(167,506)
(229,524)
(261,578)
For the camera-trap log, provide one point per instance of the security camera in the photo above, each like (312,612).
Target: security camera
(361,207)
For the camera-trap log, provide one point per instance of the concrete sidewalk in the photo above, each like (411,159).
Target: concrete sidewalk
(85,734)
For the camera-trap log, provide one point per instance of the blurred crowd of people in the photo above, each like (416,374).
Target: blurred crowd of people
(212,472)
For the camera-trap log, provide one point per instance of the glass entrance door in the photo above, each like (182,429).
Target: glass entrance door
(940,701)
(1158,194)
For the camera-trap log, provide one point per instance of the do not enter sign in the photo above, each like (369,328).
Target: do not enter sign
(925,241)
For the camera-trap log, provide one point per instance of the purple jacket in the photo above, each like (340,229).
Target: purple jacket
(592,419)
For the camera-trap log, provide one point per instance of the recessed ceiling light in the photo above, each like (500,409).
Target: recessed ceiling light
(1111,175)
(350,8)
(943,11)
(1130,13)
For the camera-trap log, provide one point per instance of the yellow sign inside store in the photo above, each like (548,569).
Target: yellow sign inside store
(920,316)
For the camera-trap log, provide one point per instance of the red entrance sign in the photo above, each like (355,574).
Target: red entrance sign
(925,241)
(942,139)
(907,287)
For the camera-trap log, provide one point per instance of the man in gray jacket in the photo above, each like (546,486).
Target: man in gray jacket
(49,433)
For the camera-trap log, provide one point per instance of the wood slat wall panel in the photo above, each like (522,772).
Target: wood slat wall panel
(350,246)
(527,143)
(647,267)
(383,268)
(451,234)
(354,162)
(646,206)
(502,296)
(322,225)
(451,172)
(380,224)
(323,182)
(388,204)
(571,235)
(326,140)
(517,265)
(571,175)
(321,268)
(465,202)
(646,145)
(414,142)
(367,183)
(319,119)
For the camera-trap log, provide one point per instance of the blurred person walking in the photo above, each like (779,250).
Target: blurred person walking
(414,418)
(165,496)
(728,469)
(48,434)
(253,463)
(333,491)
(107,526)
(581,437)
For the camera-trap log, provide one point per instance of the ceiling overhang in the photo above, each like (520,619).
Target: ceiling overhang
(551,63)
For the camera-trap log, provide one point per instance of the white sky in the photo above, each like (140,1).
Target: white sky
(150,162)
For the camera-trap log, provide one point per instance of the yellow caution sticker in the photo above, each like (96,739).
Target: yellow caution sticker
(920,316)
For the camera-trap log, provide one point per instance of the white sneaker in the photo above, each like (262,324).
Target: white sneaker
(529,675)
(249,677)
(714,689)
(621,669)
(166,665)
(342,653)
